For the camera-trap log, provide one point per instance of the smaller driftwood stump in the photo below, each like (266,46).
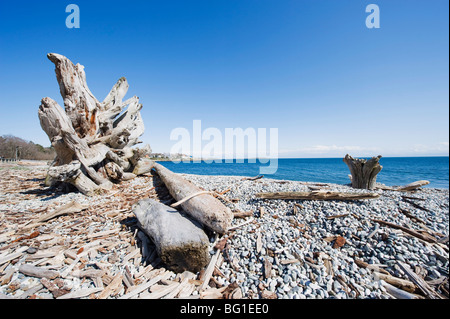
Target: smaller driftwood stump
(180,242)
(363,172)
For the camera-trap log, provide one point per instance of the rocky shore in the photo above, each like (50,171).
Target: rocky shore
(300,249)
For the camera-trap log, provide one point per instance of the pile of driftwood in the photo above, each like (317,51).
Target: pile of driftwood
(180,239)
(54,244)
(93,141)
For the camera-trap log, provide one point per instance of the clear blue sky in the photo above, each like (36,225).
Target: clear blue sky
(309,68)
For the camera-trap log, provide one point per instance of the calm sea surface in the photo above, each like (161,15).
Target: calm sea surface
(396,170)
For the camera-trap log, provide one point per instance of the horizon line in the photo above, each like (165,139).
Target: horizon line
(269,158)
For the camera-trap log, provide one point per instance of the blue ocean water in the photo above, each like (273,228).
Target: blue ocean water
(396,170)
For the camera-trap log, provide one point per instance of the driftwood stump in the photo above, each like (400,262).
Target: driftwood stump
(92,139)
(363,172)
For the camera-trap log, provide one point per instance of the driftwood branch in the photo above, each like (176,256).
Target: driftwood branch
(406,188)
(403,284)
(412,186)
(70,208)
(398,293)
(252,178)
(409,231)
(423,286)
(39,272)
(317,195)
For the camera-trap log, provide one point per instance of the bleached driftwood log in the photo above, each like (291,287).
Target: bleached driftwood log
(406,188)
(93,140)
(412,186)
(39,272)
(317,195)
(204,207)
(70,208)
(363,172)
(181,243)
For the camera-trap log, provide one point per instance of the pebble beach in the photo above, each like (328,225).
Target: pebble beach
(282,249)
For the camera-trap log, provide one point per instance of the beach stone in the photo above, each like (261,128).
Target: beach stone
(31,250)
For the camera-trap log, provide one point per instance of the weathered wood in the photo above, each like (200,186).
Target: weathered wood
(240,214)
(423,286)
(124,164)
(252,178)
(53,120)
(115,284)
(406,188)
(172,294)
(363,172)
(317,195)
(417,205)
(180,243)
(114,171)
(412,232)
(411,216)
(70,208)
(174,205)
(267,268)
(161,292)
(92,139)
(80,293)
(397,282)
(112,106)
(127,176)
(13,255)
(85,185)
(63,173)
(38,272)
(143,166)
(209,271)
(412,186)
(337,216)
(140,288)
(128,127)
(30,291)
(375,268)
(258,243)
(80,104)
(204,208)
(399,293)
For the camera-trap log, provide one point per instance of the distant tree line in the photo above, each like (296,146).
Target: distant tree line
(10,146)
